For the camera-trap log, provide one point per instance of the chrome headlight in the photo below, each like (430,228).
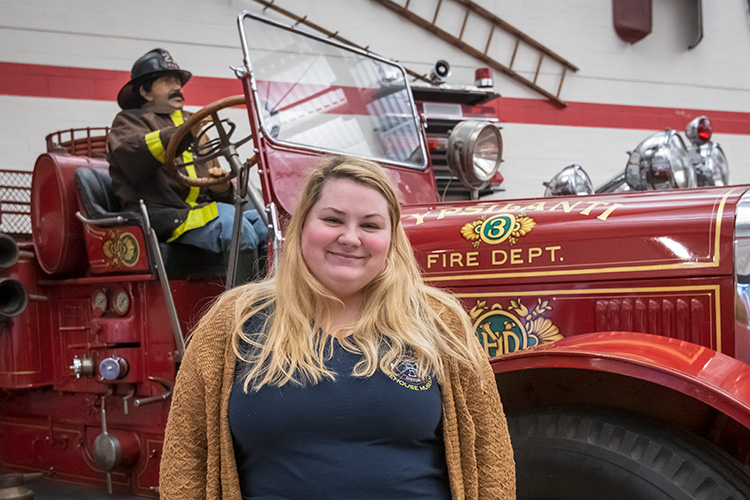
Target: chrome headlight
(660,162)
(475,150)
(711,165)
(718,165)
(572,180)
(708,158)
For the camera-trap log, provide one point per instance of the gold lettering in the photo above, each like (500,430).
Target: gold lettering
(534,252)
(510,208)
(456,259)
(538,207)
(420,217)
(488,334)
(446,211)
(431,259)
(552,251)
(515,256)
(476,209)
(471,259)
(592,205)
(495,253)
(609,211)
(566,206)
(507,334)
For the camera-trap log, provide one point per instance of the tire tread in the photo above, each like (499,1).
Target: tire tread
(693,467)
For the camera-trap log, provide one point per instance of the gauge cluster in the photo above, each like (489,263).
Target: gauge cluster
(116,301)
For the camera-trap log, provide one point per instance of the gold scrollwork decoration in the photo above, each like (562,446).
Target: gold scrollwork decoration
(498,228)
(501,330)
(121,248)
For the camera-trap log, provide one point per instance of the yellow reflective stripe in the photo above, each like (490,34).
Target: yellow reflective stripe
(194,190)
(197,217)
(177,117)
(187,157)
(153,141)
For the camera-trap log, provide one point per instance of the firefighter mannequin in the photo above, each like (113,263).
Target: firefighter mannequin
(151,105)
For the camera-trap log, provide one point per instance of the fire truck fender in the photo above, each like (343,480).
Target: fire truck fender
(614,403)
(700,373)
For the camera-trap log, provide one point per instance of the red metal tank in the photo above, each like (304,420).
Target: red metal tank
(58,235)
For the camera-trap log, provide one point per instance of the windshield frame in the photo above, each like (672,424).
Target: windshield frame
(253,88)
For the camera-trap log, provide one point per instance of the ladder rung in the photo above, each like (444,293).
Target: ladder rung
(538,67)
(463,26)
(562,77)
(489,40)
(515,51)
(437,9)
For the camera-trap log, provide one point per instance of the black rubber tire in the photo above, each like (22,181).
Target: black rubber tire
(587,455)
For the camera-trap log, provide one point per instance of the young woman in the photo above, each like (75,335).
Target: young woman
(341,377)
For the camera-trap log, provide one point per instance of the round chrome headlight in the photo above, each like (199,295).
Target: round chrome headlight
(572,180)
(475,150)
(717,165)
(661,161)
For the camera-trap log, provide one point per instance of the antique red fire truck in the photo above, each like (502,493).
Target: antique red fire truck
(616,324)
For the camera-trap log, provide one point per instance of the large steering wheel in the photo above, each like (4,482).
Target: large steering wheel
(206,150)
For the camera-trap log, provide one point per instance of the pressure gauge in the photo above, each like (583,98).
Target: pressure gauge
(121,302)
(99,303)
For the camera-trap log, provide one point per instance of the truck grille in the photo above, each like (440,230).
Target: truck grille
(677,318)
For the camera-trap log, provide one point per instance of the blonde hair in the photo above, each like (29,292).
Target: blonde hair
(401,315)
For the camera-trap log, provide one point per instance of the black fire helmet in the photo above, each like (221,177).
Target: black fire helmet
(149,64)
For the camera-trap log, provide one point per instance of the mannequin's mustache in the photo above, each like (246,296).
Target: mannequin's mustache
(177,94)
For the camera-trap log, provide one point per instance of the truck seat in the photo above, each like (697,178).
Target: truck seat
(98,201)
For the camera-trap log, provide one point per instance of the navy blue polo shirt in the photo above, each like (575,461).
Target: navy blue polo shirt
(376,438)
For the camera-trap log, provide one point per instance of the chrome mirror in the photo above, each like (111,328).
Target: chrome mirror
(661,161)
(570,181)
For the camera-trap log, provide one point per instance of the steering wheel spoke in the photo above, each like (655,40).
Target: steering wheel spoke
(203,150)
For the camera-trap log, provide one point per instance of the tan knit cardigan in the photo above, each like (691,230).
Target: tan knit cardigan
(198,457)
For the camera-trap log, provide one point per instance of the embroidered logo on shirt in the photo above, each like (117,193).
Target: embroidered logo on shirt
(405,372)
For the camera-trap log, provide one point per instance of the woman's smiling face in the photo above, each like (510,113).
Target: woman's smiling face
(346,237)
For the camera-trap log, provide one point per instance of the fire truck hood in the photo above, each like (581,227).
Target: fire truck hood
(618,236)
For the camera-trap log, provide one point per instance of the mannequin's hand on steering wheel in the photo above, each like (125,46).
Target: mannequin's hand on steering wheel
(205,151)
(219,173)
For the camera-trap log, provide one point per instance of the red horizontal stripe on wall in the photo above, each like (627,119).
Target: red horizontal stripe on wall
(61,82)
(587,114)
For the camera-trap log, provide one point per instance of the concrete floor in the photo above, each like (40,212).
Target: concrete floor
(46,489)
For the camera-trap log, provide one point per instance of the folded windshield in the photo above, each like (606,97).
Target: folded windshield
(328,97)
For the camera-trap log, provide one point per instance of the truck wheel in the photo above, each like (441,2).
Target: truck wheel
(575,455)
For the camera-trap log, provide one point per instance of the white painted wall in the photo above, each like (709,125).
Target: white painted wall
(658,71)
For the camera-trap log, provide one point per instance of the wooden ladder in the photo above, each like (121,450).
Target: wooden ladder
(476,21)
